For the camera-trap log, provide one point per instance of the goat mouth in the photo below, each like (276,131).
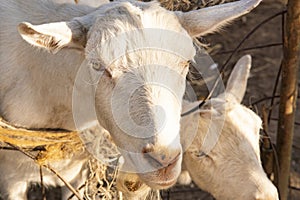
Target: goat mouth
(163,178)
(162,166)
(162,184)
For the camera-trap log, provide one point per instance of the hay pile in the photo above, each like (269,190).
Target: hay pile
(101,183)
(50,145)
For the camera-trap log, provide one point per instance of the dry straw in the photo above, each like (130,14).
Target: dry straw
(52,145)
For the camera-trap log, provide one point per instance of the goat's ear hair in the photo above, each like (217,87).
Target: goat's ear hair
(54,36)
(237,82)
(206,20)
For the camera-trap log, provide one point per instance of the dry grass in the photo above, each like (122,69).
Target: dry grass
(53,145)
(101,182)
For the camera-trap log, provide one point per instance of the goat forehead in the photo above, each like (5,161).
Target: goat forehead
(244,118)
(143,15)
(244,125)
(129,28)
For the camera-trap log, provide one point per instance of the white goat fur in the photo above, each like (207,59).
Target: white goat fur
(36,86)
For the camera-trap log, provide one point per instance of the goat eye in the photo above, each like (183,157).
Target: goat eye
(201,154)
(96,66)
(186,64)
(189,62)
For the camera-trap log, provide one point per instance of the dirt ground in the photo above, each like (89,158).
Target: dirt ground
(266,62)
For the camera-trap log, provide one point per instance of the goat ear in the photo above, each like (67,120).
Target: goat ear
(206,20)
(54,36)
(237,82)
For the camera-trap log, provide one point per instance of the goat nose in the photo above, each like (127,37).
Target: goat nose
(268,193)
(148,148)
(161,158)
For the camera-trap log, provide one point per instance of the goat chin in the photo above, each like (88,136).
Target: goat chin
(184,178)
(131,186)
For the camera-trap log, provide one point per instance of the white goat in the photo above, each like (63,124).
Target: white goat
(130,47)
(226,164)
(231,168)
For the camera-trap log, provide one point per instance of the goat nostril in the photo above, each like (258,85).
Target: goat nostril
(148,148)
(176,158)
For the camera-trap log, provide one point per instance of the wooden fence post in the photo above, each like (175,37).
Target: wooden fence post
(288,96)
